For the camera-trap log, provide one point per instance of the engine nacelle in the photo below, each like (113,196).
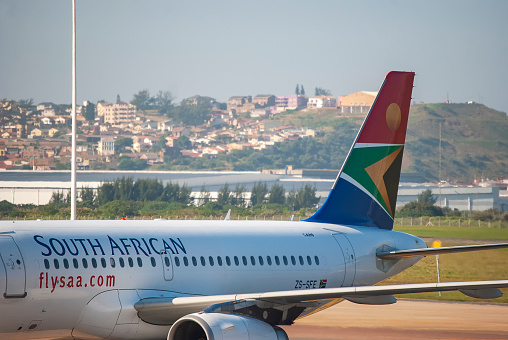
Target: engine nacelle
(221,326)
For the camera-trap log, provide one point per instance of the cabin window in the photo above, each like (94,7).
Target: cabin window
(140,262)
(203,262)
(253,260)
(185,261)
(94,263)
(316,259)
(260,260)
(152,259)
(66,263)
(177,261)
(244,260)
(194,261)
(293,260)
(277,261)
(285,260)
(75,263)
(210,259)
(131,262)
(228,261)
(103,262)
(269,260)
(46,263)
(309,260)
(122,262)
(166,261)
(56,263)
(300,258)
(112,262)
(85,263)
(219,261)
(237,262)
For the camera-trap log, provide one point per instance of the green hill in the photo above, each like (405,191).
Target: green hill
(474,142)
(474,138)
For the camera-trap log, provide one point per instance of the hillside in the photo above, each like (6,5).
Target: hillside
(474,138)
(474,142)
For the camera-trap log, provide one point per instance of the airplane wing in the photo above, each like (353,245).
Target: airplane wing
(394,254)
(161,310)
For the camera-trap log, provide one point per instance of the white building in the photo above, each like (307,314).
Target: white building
(106,146)
(322,101)
(117,114)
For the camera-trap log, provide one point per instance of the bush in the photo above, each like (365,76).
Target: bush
(415,209)
(6,206)
(117,208)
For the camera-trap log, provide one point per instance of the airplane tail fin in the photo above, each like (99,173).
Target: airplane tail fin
(365,191)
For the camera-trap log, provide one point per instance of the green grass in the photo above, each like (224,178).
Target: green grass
(470,233)
(472,266)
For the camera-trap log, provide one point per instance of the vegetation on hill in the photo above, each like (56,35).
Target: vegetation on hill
(474,144)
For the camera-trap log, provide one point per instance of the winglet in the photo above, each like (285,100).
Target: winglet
(365,191)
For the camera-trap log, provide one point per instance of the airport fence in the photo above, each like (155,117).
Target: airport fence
(451,222)
(399,221)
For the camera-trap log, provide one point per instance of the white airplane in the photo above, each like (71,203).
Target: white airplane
(190,280)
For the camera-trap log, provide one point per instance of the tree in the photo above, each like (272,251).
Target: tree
(128,164)
(105,194)
(142,100)
(258,193)
(183,142)
(122,143)
(238,198)
(302,90)
(322,92)
(204,196)
(60,198)
(277,194)
(297,90)
(224,195)
(25,103)
(426,197)
(416,209)
(87,195)
(90,111)
(147,190)
(304,197)
(163,101)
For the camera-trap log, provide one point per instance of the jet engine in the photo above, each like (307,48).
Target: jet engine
(222,326)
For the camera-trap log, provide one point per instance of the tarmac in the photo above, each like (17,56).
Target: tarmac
(406,319)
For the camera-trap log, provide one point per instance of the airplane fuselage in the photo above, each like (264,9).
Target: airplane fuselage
(99,269)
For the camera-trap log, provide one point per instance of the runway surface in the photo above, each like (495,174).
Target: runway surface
(407,319)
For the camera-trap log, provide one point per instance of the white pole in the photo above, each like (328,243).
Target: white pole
(73,158)
(438,276)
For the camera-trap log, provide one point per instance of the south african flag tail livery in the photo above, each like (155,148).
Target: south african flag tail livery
(365,191)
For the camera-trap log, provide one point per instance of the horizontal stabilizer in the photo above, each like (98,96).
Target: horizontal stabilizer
(394,254)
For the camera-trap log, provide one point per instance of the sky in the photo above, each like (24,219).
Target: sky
(221,48)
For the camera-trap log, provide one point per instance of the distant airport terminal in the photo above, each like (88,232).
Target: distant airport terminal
(32,187)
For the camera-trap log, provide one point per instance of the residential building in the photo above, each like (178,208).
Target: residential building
(358,102)
(318,102)
(264,100)
(181,131)
(117,114)
(284,103)
(199,100)
(237,102)
(106,146)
